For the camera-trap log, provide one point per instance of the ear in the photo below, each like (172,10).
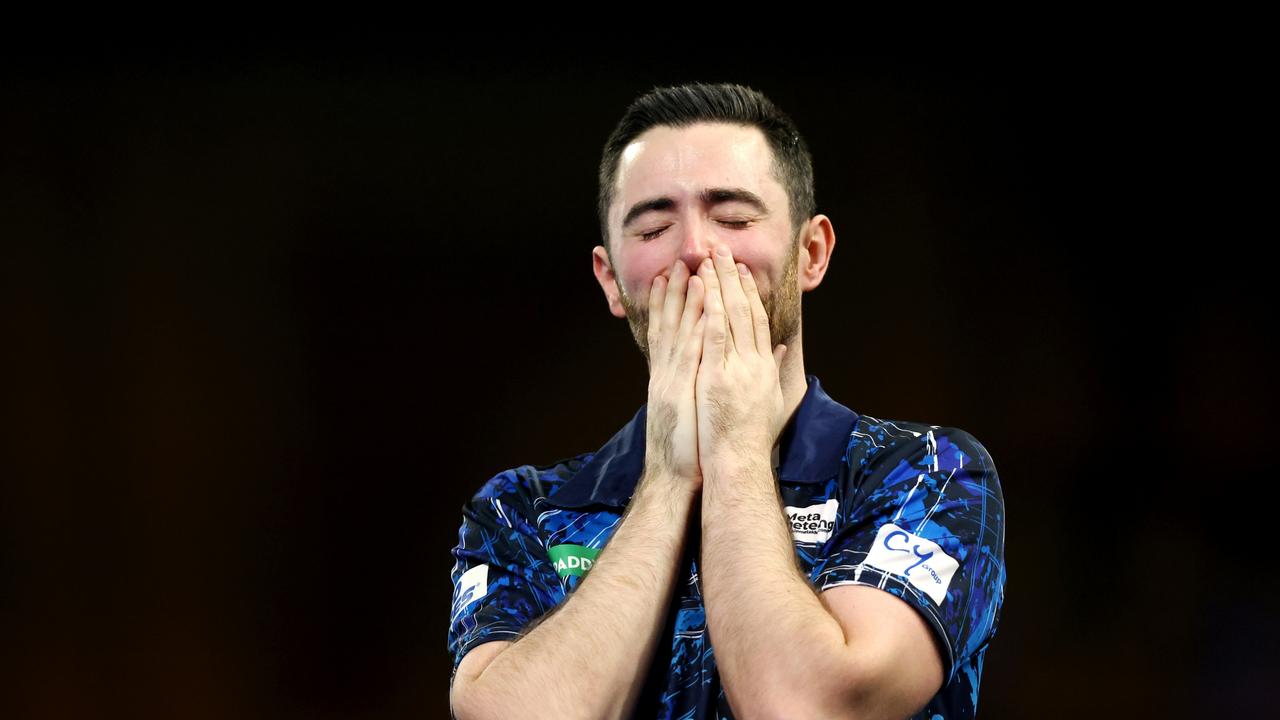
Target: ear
(608,281)
(817,242)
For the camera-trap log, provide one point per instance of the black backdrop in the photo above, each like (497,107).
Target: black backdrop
(272,315)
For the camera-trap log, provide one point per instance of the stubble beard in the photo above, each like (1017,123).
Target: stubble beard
(781,304)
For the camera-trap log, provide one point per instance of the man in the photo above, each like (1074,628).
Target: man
(840,565)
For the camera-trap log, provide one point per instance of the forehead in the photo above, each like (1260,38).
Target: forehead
(665,160)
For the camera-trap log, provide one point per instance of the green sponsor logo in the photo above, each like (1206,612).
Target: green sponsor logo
(572,559)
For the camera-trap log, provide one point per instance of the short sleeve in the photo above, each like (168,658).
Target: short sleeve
(926,524)
(502,577)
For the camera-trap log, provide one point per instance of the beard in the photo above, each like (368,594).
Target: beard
(781,304)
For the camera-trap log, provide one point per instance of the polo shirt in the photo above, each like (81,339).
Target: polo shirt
(915,510)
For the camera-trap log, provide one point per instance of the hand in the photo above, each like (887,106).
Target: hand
(675,340)
(739,393)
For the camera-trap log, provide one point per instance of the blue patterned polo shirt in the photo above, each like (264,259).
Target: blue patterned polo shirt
(912,509)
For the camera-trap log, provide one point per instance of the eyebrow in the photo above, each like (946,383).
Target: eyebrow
(709,196)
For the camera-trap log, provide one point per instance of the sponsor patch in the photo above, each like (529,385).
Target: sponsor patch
(813,524)
(473,585)
(918,560)
(572,559)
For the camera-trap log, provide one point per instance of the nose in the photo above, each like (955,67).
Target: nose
(697,244)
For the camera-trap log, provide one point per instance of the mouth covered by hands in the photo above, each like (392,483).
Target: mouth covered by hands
(675,341)
(715,395)
(739,393)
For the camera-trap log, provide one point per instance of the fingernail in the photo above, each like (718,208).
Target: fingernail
(706,264)
(742,270)
(723,251)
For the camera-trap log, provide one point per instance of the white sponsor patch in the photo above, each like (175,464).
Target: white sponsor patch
(813,524)
(918,560)
(473,585)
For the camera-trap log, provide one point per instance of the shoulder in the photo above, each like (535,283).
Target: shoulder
(526,483)
(874,440)
(885,445)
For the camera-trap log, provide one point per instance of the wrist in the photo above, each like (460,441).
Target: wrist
(659,470)
(738,462)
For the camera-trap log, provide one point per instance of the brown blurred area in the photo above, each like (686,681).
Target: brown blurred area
(271,316)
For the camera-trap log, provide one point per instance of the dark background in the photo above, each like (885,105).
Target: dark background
(270,316)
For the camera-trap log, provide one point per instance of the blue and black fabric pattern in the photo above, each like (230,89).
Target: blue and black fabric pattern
(915,510)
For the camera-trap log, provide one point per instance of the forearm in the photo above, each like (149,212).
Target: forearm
(589,657)
(772,635)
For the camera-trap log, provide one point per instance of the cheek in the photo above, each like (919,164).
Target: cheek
(762,269)
(639,275)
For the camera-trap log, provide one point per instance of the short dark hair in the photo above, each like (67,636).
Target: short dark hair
(684,105)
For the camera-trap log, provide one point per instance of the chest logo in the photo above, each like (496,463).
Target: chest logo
(572,559)
(813,524)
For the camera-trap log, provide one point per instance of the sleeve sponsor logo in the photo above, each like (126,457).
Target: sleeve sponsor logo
(473,585)
(921,562)
(813,524)
(572,559)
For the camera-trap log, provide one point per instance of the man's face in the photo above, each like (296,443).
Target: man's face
(681,193)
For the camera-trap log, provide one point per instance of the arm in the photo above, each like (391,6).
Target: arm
(772,636)
(783,651)
(588,657)
(780,650)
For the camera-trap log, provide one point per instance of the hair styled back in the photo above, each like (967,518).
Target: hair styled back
(685,105)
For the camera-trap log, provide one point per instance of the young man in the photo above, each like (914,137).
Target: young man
(745,546)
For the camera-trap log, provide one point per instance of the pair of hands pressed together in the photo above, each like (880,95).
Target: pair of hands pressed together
(714,389)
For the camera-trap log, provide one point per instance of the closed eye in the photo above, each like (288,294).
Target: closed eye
(736,224)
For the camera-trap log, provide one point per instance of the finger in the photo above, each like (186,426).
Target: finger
(715,335)
(735,302)
(692,312)
(778,353)
(759,318)
(655,316)
(674,304)
(693,349)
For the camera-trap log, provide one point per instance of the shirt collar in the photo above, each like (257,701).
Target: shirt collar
(812,449)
